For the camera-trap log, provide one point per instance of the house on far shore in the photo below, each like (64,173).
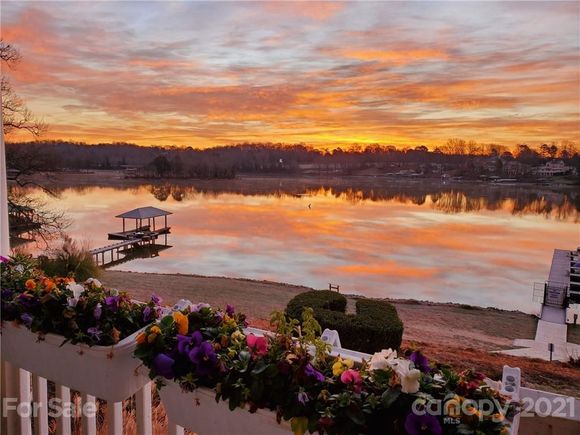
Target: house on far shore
(554,167)
(516,169)
(129,171)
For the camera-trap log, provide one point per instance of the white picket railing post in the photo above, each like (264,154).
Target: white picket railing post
(40,394)
(63,426)
(143,412)
(89,420)
(115,418)
(10,387)
(174,429)
(25,397)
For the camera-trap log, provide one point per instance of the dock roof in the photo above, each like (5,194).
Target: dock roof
(144,213)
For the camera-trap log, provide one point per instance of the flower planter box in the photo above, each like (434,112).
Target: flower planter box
(107,372)
(199,412)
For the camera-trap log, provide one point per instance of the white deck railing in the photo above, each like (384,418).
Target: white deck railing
(28,394)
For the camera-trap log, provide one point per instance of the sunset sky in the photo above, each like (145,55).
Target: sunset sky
(326,74)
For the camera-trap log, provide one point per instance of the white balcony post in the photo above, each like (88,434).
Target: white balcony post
(174,429)
(63,426)
(143,414)
(89,421)
(4,230)
(40,394)
(115,418)
(25,399)
(10,391)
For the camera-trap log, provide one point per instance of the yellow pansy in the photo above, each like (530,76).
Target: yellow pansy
(341,365)
(238,337)
(229,321)
(182,322)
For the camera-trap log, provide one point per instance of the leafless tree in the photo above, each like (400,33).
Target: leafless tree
(28,214)
(15,114)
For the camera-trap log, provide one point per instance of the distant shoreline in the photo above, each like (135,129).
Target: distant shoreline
(116,178)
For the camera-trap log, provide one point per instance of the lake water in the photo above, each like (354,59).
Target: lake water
(483,246)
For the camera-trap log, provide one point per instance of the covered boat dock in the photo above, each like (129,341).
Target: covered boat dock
(142,215)
(145,233)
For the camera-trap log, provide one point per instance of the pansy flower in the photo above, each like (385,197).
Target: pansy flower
(163,365)
(258,345)
(204,357)
(352,377)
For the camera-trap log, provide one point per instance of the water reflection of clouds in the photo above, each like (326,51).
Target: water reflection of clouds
(387,248)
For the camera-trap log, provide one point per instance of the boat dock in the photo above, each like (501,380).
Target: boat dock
(143,236)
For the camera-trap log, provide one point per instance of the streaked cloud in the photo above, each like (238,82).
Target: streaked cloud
(332,73)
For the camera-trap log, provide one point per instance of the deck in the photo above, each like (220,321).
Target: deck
(139,233)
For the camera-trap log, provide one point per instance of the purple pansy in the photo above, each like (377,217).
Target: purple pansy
(185,343)
(94,333)
(26,319)
(198,307)
(421,362)
(204,357)
(230,310)
(27,300)
(112,302)
(147,314)
(313,373)
(303,397)
(155,299)
(98,311)
(7,294)
(422,424)
(163,365)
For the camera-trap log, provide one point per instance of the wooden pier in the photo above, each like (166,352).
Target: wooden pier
(143,236)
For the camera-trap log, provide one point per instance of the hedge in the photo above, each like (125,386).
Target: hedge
(375,326)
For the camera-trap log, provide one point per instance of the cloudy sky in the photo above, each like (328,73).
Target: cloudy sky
(326,74)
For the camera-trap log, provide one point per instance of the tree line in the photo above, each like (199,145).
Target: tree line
(227,161)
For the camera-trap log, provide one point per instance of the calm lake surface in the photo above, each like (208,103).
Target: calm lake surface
(479,245)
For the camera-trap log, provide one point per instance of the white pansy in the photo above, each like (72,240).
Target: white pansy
(72,302)
(93,282)
(494,385)
(76,289)
(381,360)
(19,268)
(409,377)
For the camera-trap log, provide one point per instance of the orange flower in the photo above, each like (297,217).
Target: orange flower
(182,322)
(49,285)
(116,335)
(141,337)
(30,284)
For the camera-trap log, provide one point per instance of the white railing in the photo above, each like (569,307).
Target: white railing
(21,388)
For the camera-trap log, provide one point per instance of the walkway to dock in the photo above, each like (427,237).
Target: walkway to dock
(552,328)
(115,249)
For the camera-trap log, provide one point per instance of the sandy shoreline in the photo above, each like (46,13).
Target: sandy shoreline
(459,335)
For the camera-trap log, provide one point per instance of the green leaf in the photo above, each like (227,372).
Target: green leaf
(390,396)
(260,368)
(167,322)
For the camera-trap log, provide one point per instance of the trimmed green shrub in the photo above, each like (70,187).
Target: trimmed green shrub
(375,326)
